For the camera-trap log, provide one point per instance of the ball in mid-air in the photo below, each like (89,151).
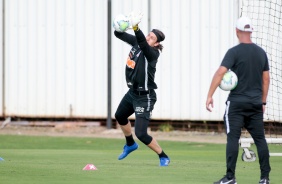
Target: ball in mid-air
(121,23)
(229,81)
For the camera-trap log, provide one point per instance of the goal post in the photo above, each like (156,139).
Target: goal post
(266,16)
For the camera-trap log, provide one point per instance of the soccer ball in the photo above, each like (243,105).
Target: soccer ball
(121,23)
(229,81)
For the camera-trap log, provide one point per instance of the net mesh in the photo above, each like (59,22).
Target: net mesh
(266,16)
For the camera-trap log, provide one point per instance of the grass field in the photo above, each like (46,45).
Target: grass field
(60,160)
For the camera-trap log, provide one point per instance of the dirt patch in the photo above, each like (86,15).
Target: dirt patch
(76,130)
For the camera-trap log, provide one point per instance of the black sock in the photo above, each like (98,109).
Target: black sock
(129,140)
(162,154)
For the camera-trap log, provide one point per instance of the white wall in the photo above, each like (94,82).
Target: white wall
(199,33)
(56,58)
(1,60)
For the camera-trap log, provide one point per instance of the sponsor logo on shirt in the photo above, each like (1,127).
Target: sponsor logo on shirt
(130,63)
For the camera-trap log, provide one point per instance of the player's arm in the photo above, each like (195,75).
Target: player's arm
(265,86)
(128,38)
(149,52)
(265,81)
(227,62)
(214,84)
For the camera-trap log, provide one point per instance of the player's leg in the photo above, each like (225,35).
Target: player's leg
(141,127)
(255,126)
(233,121)
(143,108)
(124,110)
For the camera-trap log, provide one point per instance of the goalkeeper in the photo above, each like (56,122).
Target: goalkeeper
(141,96)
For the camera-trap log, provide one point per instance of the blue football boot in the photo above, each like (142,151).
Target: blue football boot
(127,150)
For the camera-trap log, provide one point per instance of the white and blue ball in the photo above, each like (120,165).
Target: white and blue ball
(121,23)
(229,81)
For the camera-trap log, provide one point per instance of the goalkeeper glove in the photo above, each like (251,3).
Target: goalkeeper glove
(135,19)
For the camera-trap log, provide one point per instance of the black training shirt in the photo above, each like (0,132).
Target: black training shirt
(141,63)
(248,61)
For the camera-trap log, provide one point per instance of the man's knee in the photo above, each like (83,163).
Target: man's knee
(144,137)
(122,120)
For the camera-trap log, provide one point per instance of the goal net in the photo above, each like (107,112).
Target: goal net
(266,16)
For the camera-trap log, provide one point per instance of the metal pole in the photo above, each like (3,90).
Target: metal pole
(109,106)
(3,57)
(149,16)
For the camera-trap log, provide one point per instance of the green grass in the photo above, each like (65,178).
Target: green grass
(59,160)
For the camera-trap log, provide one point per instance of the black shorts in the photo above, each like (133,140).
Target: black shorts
(140,103)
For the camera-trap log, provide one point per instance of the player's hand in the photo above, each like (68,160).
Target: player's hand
(135,19)
(209,104)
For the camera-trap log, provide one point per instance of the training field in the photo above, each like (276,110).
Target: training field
(60,160)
